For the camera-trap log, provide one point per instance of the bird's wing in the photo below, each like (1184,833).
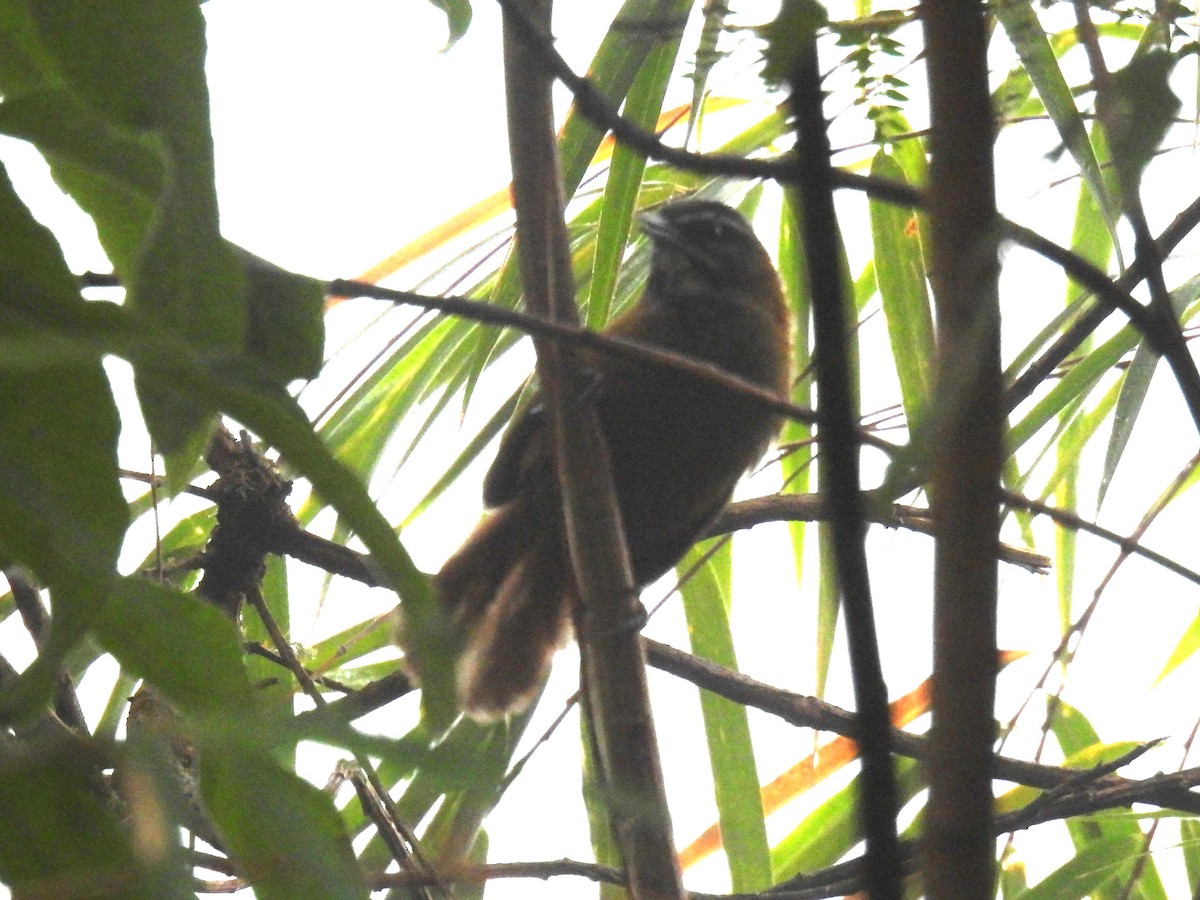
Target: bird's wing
(524,455)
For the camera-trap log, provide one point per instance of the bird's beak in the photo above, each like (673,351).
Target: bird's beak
(657,228)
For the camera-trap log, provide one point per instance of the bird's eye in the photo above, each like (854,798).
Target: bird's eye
(712,231)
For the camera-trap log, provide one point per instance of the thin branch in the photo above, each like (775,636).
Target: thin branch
(1170,341)
(332,557)
(1066,650)
(813,508)
(36,619)
(1112,296)
(407,852)
(1128,545)
(251,510)
(256,649)
(596,108)
(574,335)
(1084,779)
(539,326)
(493,871)
(381,810)
(593,105)
(28,602)
(357,566)
(846,878)
(370,697)
(338,559)
(1089,796)
(158,480)
(809,712)
(1066,344)
(837,417)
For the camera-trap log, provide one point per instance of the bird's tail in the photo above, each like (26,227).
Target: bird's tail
(508,590)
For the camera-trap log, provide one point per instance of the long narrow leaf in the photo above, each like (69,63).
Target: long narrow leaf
(900,270)
(731,754)
(1021,24)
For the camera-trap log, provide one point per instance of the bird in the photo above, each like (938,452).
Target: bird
(677,447)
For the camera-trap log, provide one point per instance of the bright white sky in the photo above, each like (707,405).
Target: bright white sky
(342,132)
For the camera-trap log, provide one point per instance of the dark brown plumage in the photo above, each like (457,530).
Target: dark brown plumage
(677,446)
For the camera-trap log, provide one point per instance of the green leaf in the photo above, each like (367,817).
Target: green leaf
(182,542)
(188,280)
(832,830)
(238,386)
(284,833)
(1140,107)
(625,179)
(1090,867)
(361,427)
(1088,371)
(472,768)
(1011,97)
(113,716)
(900,272)
(458,18)
(121,214)
(605,850)
(1189,641)
(491,429)
(828,598)
(797,463)
(141,66)
(353,643)
(61,509)
(58,839)
(1079,741)
(24,63)
(117,176)
(102,52)
(792,32)
(37,285)
(1134,388)
(1137,107)
(287,318)
(185,647)
(1091,240)
(1189,831)
(908,150)
(706,597)
(612,71)
(1078,427)
(64,128)
(1021,24)
(1012,877)
(1072,729)
(707,56)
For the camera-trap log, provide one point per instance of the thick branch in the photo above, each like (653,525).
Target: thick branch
(617,701)
(959,847)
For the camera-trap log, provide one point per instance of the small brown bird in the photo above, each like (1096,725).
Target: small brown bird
(677,446)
